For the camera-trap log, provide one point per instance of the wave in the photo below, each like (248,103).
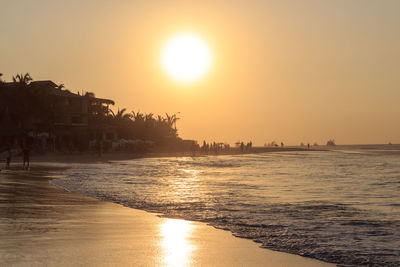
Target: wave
(284,202)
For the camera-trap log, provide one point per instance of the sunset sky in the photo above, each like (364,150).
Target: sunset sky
(291,71)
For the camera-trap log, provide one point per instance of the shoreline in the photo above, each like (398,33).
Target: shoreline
(116,156)
(44,224)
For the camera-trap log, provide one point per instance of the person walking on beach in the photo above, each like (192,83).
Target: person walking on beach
(8,159)
(26,151)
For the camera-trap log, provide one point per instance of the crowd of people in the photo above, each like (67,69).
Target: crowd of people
(214,147)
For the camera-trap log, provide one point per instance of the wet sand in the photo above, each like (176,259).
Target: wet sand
(41,225)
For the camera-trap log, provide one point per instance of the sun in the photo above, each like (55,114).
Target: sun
(186,58)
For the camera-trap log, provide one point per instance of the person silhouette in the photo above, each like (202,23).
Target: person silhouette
(8,158)
(26,151)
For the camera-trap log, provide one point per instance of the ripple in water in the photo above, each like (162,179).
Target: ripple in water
(337,207)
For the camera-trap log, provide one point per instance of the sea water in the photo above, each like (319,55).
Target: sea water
(337,206)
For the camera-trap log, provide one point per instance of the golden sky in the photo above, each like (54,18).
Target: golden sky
(292,71)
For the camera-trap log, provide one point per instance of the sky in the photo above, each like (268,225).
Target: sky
(285,71)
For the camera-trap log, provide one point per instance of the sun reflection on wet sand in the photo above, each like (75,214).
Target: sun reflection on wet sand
(177,248)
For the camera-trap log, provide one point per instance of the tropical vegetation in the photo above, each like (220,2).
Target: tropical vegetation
(24,104)
(137,125)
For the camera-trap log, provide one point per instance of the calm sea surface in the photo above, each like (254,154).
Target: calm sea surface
(341,207)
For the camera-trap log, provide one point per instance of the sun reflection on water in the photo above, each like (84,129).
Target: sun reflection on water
(177,247)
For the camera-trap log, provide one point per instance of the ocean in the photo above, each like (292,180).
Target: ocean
(337,206)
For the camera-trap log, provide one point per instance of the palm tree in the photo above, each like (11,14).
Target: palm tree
(22,79)
(121,115)
(169,120)
(149,117)
(137,116)
(24,104)
(172,120)
(175,119)
(160,119)
(31,103)
(122,121)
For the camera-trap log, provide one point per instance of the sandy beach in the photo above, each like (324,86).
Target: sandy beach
(44,225)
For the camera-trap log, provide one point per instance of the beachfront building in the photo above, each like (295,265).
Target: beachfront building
(51,117)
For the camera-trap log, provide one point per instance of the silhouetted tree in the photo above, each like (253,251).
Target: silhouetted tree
(121,115)
(22,79)
(31,105)
(121,120)
(25,103)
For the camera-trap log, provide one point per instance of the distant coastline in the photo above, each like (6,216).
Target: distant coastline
(87,157)
(113,156)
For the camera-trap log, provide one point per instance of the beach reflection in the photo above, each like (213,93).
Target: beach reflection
(175,243)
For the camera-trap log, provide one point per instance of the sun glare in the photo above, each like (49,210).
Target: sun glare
(186,58)
(176,242)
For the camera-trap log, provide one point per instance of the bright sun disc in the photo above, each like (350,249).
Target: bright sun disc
(186,58)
